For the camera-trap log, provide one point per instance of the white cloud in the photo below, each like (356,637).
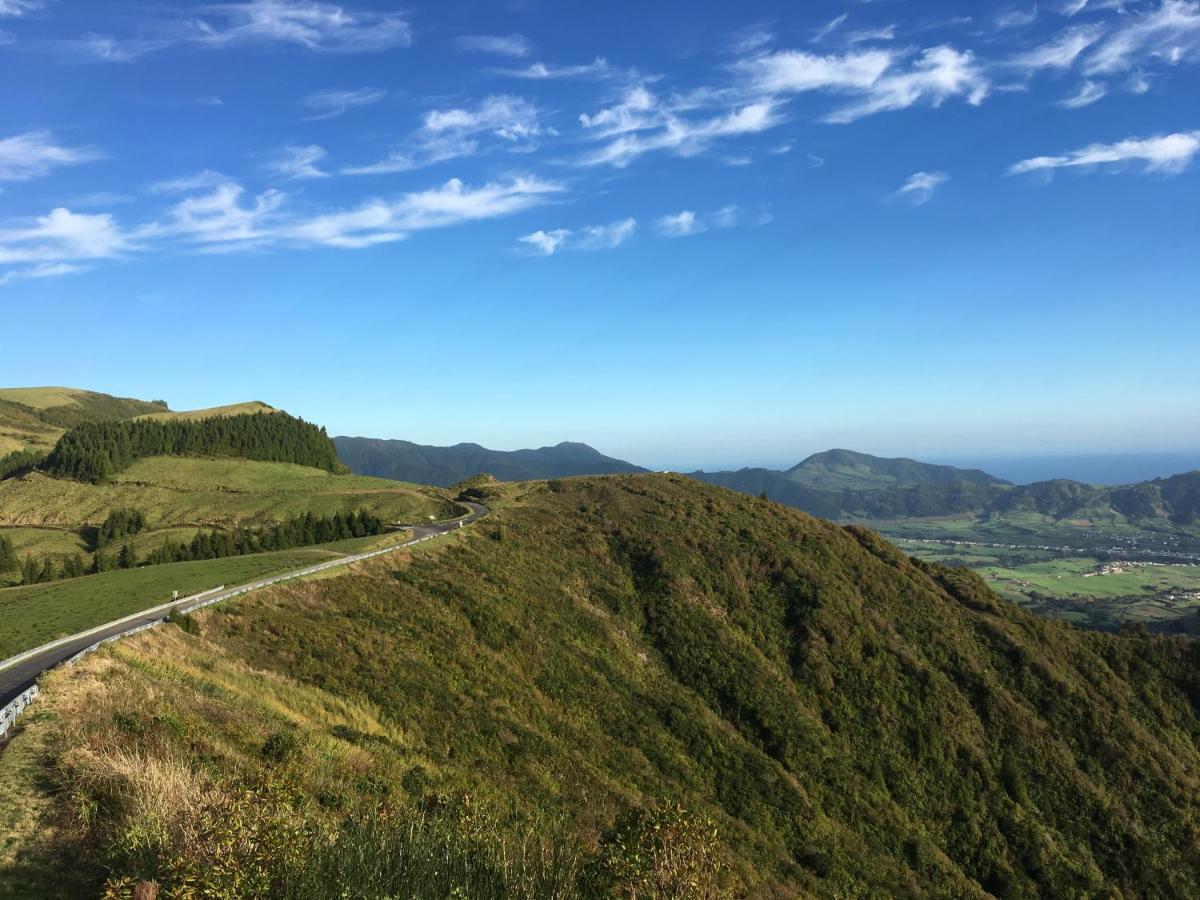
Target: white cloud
(42,270)
(538,71)
(920,187)
(938,74)
(606,237)
(865,35)
(19,8)
(218,218)
(727,216)
(1170,33)
(1059,53)
(452,133)
(680,224)
(875,75)
(35,153)
(309,24)
(61,237)
(547,243)
(642,123)
(830,27)
(589,237)
(109,49)
(328,104)
(794,71)
(298,163)
(200,181)
(1169,154)
(396,161)
(511,45)
(1089,92)
(1016,18)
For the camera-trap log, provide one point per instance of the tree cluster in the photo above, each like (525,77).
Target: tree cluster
(300,531)
(19,462)
(96,451)
(118,525)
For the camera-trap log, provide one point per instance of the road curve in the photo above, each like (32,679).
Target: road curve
(19,677)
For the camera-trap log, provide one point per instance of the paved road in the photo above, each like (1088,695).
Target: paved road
(16,678)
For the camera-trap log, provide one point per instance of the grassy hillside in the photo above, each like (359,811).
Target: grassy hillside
(212,412)
(191,491)
(51,518)
(40,613)
(34,418)
(486,716)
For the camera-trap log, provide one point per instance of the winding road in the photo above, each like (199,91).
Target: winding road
(20,672)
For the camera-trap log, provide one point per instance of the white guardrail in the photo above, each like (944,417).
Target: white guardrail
(9,714)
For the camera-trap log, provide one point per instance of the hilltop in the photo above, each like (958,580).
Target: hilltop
(490,716)
(847,470)
(445,466)
(35,418)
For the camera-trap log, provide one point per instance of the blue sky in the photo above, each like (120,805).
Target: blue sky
(689,234)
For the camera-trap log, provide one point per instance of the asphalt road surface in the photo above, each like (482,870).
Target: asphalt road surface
(17,678)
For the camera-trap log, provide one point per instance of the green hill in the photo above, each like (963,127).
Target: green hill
(846,470)
(811,713)
(35,418)
(445,466)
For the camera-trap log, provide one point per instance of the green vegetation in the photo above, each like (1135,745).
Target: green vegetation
(179,497)
(96,451)
(32,418)
(40,613)
(846,470)
(641,682)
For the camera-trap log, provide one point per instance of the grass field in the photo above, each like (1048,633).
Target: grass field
(183,491)
(39,613)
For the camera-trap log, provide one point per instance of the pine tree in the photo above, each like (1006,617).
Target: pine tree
(126,559)
(8,556)
(29,571)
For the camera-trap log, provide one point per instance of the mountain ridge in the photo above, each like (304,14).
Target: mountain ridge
(444,466)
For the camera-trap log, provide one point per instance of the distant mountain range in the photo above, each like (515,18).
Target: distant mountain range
(845,484)
(444,466)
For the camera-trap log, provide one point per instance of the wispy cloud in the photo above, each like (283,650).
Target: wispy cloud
(305,23)
(589,237)
(1016,18)
(882,79)
(830,27)
(1168,154)
(224,219)
(298,163)
(36,153)
(643,123)
(329,104)
(547,243)
(507,121)
(1059,53)
(540,71)
(511,45)
(42,270)
(680,224)
(938,74)
(1089,92)
(920,187)
(17,8)
(54,244)
(1169,33)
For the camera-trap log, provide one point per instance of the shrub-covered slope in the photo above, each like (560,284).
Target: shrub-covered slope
(854,723)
